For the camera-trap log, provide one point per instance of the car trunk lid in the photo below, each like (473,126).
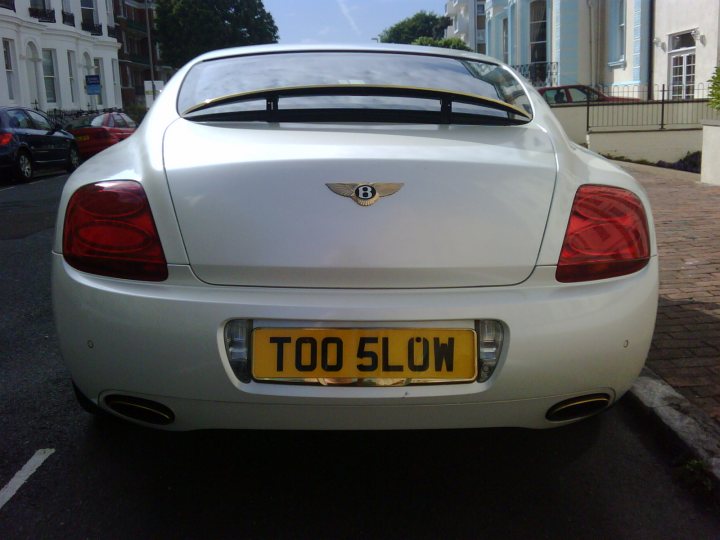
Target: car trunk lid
(254,206)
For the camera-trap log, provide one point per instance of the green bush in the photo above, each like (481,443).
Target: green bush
(714,94)
(446,43)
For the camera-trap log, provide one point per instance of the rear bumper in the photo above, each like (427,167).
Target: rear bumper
(164,342)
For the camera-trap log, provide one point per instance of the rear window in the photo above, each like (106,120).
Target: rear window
(214,79)
(86,121)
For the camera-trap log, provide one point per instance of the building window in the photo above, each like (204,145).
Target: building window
(72,70)
(481,9)
(48,64)
(621,29)
(116,82)
(617,34)
(88,11)
(98,71)
(9,67)
(538,32)
(682,66)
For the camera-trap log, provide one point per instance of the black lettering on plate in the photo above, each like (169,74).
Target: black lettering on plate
(444,354)
(387,366)
(299,365)
(364,354)
(280,342)
(325,357)
(412,356)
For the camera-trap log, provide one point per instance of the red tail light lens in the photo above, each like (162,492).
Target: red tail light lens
(5,138)
(607,236)
(109,230)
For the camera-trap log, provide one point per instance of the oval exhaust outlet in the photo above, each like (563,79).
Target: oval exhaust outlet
(144,410)
(578,407)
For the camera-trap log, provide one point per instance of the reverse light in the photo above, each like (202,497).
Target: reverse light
(490,336)
(109,230)
(237,334)
(607,235)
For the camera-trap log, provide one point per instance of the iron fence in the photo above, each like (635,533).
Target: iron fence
(62,117)
(539,74)
(638,106)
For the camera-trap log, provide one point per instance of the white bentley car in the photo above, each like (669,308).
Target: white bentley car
(380,237)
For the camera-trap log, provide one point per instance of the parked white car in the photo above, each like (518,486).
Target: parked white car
(355,237)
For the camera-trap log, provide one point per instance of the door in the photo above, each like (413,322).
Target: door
(55,146)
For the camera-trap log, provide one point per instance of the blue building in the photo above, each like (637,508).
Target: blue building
(555,42)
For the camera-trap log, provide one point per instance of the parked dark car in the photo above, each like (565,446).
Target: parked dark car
(30,140)
(577,93)
(96,132)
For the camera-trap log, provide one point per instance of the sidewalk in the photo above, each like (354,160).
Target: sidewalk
(685,352)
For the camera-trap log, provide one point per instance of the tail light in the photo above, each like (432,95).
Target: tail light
(607,236)
(5,138)
(109,230)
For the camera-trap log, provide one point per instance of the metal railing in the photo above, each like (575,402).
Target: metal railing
(94,29)
(644,107)
(68,18)
(42,15)
(62,117)
(539,74)
(113,31)
(7,4)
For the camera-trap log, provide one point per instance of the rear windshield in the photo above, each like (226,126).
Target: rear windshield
(85,121)
(224,77)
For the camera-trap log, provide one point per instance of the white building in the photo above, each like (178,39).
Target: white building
(468,22)
(615,43)
(49,46)
(686,46)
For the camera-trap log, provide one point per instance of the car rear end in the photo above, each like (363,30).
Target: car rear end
(9,145)
(92,135)
(241,271)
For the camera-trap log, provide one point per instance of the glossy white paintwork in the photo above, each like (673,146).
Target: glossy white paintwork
(246,207)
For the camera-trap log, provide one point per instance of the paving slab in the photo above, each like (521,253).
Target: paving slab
(681,383)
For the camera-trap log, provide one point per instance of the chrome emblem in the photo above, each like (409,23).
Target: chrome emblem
(365,194)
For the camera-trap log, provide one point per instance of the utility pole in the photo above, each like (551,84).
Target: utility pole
(150,49)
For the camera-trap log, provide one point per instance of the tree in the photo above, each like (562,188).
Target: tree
(422,24)
(446,43)
(187,28)
(714,94)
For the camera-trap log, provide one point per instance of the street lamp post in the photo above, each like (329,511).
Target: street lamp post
(150,49)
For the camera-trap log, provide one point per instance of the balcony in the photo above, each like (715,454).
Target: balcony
(94,29)
(113,31)
(42,15)
(68,18)
(539,74)
(137,26)
(7,4)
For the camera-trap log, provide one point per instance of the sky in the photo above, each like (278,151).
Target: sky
(342,21)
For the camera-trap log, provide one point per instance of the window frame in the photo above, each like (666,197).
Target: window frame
(52,78)
(10,71)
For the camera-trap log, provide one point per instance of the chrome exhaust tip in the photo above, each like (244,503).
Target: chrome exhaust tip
(140,409)
(578,407)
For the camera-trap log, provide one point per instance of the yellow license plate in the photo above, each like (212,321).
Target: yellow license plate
(367,353)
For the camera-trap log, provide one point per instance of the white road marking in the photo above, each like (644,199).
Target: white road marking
(23,474)
(41,179)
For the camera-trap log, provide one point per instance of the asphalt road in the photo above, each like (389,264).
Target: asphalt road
(613,476)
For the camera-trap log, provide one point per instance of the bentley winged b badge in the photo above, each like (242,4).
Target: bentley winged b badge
(365,194)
